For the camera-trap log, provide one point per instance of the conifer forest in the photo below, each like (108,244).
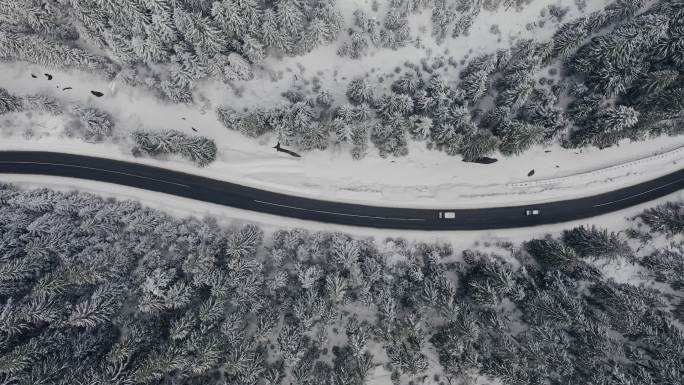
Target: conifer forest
(104,291)
(610,75)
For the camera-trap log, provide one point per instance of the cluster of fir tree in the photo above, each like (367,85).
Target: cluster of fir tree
(499,101)
(101,291)
(168,45)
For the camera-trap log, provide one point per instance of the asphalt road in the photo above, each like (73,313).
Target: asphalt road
(234,195)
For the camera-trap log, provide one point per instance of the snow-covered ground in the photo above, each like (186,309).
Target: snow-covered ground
(422,179)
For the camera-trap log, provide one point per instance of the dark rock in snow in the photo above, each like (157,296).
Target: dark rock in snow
(183,118)
(48,76)
(97,93)
(194,129)
(484,160)
(547,151)
(530,173)
(33,76)
(66,88)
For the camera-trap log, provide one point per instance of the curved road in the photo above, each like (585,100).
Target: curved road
(247,198)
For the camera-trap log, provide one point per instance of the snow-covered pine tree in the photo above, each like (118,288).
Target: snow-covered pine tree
(612,62)
(96,124)
(153,50)
(408,84)
(479,145)
(244,242)
(253,50)
(162,27)
(515,96)
(270,35)
(394,104)
(476,75)
(569,37)
(198,149)
(9,102)
(228,15)
(591,242)
(237,69)
(290,21)
(324,98)
(36,49)
(41,103)
(359,91)
(390,136)
(119,43)
(96,310)
(542,110)
(516,136)
(616,119)
(206,38)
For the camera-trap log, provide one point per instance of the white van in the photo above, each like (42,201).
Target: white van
(531,212)
(447,215)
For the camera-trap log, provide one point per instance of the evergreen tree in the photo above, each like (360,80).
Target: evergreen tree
(613,62)
(394,104)
(243,242)
(229,16)
(569,37)
(476,75)
(38,50)
(42,103)
(478,145)
(552,254)
(269,30)
(619,118)
(668,218)
(592,242)
(359,91)
(516,136)
(9,103)
(101,305)
(290,20)
(237,68)
(390,136)
(542,110)
(206,38)
(198,149)
(96,124)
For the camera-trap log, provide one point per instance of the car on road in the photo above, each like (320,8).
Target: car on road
(532,212)
(447,215)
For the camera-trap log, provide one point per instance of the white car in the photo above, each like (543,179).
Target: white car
(531,212)
(447,215)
